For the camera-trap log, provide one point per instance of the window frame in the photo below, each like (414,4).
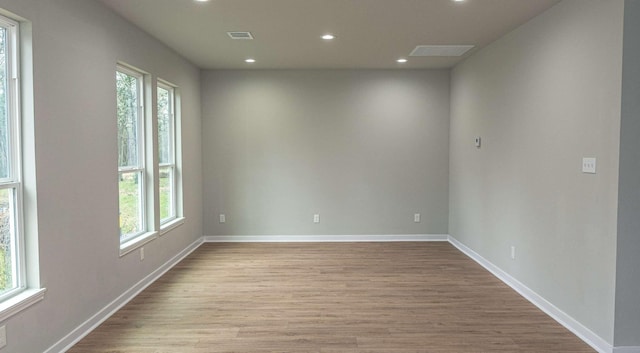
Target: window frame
(173,142)
(129,242)
(28,290)
(13,181)
(149,165)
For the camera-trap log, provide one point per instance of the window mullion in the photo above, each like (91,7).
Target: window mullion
(10,185)
(130,169)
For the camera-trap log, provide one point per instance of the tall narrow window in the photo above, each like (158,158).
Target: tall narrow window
(131,157)
(12,270)
(167,153)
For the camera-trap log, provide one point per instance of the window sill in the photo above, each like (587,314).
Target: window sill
(137,242)
(20,302)
(173,224)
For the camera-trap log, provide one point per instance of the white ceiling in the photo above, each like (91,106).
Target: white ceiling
(370,33)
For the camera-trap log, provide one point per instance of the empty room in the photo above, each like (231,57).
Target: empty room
(353,176)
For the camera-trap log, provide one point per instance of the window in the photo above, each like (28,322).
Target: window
(131,154)
(148,172)
(167,153)
(12,264)
(17,290)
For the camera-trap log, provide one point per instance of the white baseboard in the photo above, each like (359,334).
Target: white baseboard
(323,238)
(634,349)
(86,327)
(595,341)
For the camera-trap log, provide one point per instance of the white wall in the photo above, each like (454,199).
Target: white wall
(76,45)
(364,149)
(543,97)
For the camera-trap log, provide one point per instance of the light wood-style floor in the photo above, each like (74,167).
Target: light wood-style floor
(329,298)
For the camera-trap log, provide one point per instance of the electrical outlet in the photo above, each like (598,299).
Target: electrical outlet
(416,217)
(142,254)
(223,218)
(3,336)
(316,218)
(513,252)
(478,141)
(589,165)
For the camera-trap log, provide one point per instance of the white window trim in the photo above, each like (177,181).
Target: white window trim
(171,225)
(23,296)
(14,178)
(140,240)
(19,302)
(154,227)
(177,218)
(135,240)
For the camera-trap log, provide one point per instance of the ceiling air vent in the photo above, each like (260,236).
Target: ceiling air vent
(440,50)
(240,35)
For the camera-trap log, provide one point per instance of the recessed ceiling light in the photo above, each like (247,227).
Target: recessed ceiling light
(402,60)
(458,0)
(250,61)
(201,0)
(328,36)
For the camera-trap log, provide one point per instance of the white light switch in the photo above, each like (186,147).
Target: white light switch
(316,218)
(478,141)
(589,165)
(416,217)
(223,218)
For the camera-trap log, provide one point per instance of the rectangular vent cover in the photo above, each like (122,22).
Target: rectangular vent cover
(440,50)
(240,35)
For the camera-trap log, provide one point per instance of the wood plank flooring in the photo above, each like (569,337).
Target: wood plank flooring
(329,298)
